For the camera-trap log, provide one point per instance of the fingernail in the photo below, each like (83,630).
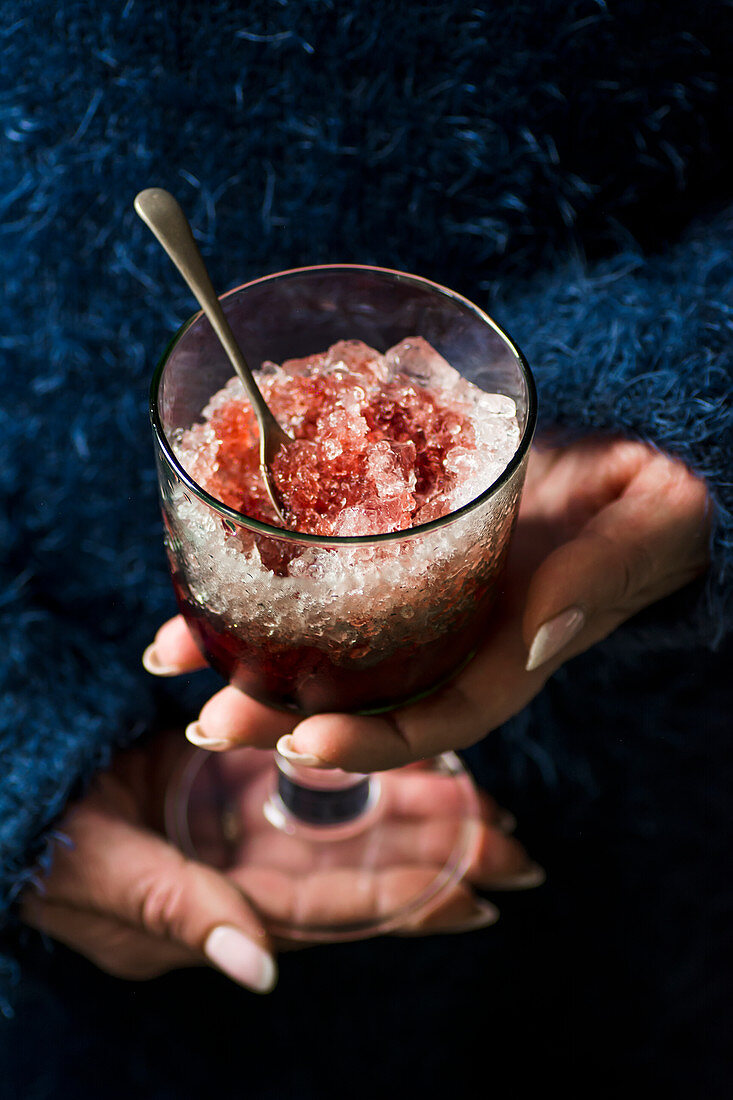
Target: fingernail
(534,875)
(241,959)
(553,636)
(307,759)
(483,915)
(197,736)
(153,664)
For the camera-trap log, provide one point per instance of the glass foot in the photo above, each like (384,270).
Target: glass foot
(321,854)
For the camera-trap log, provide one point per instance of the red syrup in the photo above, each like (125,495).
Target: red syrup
(371,455)
(313,680)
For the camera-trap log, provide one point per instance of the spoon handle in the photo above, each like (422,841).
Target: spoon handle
(164,217)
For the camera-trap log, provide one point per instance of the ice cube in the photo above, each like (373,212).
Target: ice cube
(416,358)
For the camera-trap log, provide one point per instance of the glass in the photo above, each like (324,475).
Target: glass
(349,624)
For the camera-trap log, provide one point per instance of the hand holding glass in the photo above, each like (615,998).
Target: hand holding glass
(361,624)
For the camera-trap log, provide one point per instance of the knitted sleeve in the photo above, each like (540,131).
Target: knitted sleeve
(644,348)
(82,584)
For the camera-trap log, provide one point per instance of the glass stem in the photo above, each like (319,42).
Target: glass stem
(319,796)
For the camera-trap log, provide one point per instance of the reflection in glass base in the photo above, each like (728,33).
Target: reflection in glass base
(324,855)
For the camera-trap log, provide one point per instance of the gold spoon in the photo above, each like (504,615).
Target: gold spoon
(164,217)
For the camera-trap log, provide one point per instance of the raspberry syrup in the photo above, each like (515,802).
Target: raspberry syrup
(312,680)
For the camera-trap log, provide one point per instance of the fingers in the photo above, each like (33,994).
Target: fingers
(346,898)
(420,792)
(357,898)
(454,717)
(173,650)
(492,687)
(501,863)
(641,547)
(135,878)
(421,826)
(231,718)
(457,911)
(425,815)
(114,947)
(369,744)
(497,861)
(631,535)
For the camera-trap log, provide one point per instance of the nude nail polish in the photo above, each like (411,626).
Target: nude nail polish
(153,664)
(197,736)
(531,876)
(484,915)
(553,636)
(306,759)
(241,959)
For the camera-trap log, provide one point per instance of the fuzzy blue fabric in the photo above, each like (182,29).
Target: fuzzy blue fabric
(564,164)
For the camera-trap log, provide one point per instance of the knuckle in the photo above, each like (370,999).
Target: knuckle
(161,902)
(637,572)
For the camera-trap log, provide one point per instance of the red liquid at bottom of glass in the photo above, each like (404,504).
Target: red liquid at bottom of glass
(310,679)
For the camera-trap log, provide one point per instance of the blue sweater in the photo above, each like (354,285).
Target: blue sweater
(562,163)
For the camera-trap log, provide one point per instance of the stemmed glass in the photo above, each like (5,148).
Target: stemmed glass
(312,624)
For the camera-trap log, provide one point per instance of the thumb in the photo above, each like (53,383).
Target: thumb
(138,878)
(643,546)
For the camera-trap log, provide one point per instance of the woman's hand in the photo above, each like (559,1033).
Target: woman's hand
(133,904)
(605,528)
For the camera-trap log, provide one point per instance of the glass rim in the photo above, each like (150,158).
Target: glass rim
(262,528)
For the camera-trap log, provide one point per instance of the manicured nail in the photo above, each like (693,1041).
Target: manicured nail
(483,915)
(534,875)
(307,759)
(241,959)
(153,664)
(553,636)
(197,736)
